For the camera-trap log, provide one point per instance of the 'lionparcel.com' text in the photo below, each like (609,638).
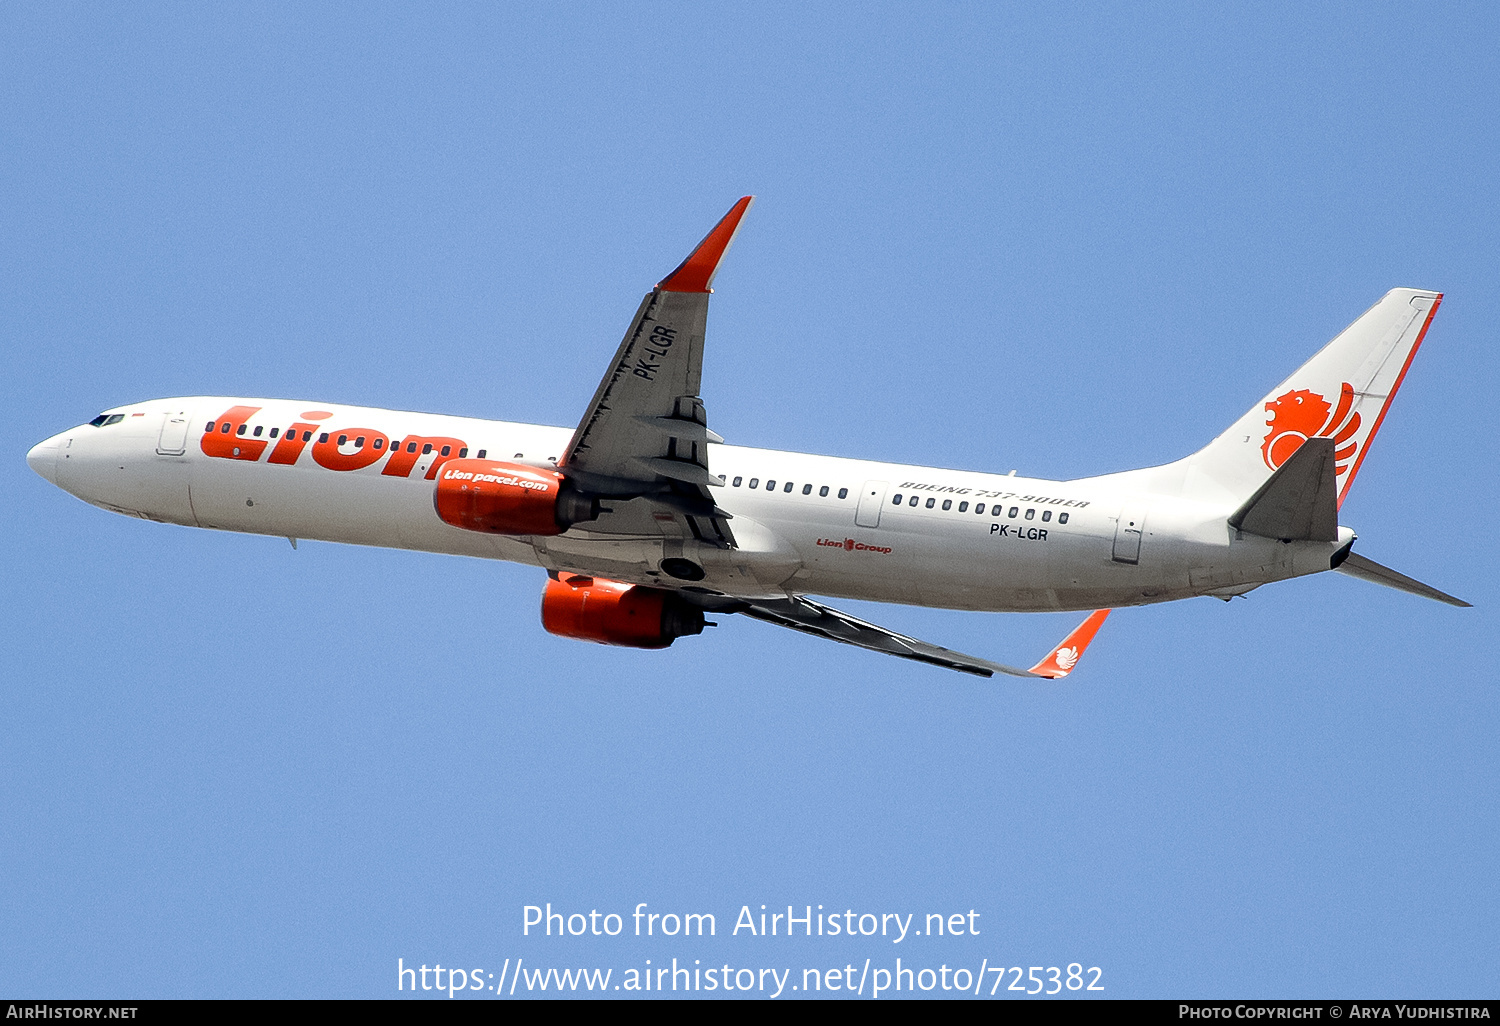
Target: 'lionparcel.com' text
(807,921)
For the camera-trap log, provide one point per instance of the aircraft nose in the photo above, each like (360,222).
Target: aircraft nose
(42,458)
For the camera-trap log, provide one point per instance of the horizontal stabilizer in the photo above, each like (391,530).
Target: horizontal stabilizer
(1299,502)
(1368,570)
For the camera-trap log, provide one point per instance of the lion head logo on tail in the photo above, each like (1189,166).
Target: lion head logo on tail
(1302,414)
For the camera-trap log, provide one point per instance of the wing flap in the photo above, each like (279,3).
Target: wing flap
(809,617)
(685,470)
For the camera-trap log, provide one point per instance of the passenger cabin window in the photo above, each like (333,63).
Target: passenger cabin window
(212,425)
(914,500)
(963,507)
(1013,511)
(1046,515)
(275,432)
(379,444)
(1031,514)
(447,449)
(258,429)
(755,482)
(359,443)
(343,439)
(307,436)
(1062,518)
(241,431)
(843,493)
(428,448)
(788,487)
(931,503)
(323,438)
(770,486)
(896,501)
(823,492)
(737,481)
(483,453)
(807,489)
(947,504)
(463,453)
(979,508)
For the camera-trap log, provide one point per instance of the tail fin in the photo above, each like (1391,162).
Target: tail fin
(1342,393)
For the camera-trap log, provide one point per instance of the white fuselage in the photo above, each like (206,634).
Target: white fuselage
(827,526)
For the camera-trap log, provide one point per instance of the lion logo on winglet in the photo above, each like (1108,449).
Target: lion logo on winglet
(1302,414)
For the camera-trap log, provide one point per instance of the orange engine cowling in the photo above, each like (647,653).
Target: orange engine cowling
(508,498)
(611,613)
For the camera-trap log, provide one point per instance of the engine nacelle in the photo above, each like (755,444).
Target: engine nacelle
(611,613)
(508,498)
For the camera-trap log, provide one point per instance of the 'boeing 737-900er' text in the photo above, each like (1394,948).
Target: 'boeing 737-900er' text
(646,520)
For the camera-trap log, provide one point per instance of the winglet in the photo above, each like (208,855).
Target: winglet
(1061,660)
(696,273)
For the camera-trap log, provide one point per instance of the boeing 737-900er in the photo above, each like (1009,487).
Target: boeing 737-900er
(647,521)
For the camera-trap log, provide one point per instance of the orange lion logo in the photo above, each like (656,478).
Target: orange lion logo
(1297,416)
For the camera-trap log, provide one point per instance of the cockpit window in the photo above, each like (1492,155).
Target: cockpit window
(99,420)
(106,419)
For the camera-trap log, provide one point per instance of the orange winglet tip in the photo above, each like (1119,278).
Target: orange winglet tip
(1061,660)
(696,273)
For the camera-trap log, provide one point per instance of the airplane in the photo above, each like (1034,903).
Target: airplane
(647,521)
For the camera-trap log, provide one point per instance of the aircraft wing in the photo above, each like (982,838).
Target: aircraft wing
(809,617)
(645,434)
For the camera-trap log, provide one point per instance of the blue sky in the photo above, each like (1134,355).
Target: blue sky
(1066,240)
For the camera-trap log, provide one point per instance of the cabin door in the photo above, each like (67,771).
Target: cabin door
(871,498)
